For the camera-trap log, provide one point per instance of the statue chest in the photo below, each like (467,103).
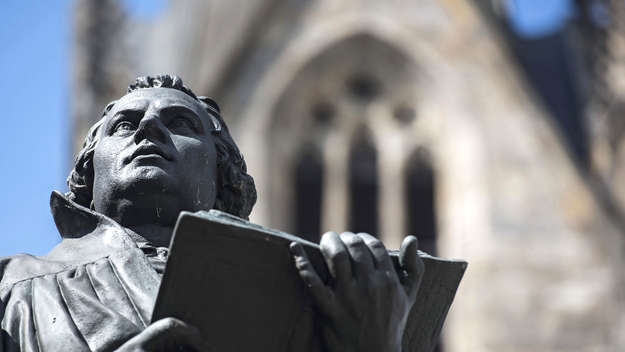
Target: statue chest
(94,306)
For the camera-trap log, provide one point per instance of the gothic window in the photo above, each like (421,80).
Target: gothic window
(363,186)
(336,101)
(420,201)
(308,191)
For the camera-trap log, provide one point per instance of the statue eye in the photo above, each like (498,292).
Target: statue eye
(181,122)
(123,126)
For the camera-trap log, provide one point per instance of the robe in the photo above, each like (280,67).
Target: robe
(92,292)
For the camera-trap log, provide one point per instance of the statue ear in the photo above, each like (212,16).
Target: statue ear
(211,103)
(108,107)
(213,111)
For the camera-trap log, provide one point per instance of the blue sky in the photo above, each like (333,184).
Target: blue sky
(35,157)
(35,67)
(34,86)
(535,18)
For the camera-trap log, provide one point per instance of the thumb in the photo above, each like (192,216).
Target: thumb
(412,265)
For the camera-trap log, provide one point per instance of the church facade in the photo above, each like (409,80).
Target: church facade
(394,117)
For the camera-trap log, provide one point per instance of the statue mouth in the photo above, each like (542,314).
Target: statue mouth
(151,151)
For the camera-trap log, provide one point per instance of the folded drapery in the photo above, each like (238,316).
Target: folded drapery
(94,291)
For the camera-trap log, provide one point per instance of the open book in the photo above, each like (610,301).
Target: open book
(237,283)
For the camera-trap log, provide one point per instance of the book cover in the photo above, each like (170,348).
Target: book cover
(237,283)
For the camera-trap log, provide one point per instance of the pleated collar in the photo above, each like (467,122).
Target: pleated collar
(87,235)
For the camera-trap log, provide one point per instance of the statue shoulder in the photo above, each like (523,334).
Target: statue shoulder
(20,267)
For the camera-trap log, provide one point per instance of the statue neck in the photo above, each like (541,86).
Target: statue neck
(149,223)
(154,234)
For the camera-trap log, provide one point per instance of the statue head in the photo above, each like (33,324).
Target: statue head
(158,150)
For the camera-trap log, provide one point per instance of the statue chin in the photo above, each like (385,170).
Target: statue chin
(146,193)
(147,178)
(151,208)
(148,173)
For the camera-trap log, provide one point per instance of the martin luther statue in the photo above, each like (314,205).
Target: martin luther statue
(157,151)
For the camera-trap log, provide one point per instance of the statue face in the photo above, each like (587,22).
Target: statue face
(156,156)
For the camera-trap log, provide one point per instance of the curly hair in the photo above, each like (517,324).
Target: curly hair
(236,193)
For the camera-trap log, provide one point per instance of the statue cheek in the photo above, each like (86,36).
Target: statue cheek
(102,165)
(107,162)
(204,195)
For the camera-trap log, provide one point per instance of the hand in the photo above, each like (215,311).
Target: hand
(366,303)
(167,334)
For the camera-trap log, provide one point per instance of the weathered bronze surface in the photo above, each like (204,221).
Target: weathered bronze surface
(157,151)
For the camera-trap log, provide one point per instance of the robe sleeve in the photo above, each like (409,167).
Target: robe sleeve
(94,306)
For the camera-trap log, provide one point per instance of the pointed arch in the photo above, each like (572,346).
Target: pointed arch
(326,101)
(420,202)
(359,68)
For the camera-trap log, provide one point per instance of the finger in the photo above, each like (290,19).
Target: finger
(412,265)
(322,295)
(380,254)
(362,257)
(336,256)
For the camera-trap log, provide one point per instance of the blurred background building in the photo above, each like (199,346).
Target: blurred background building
(453,120)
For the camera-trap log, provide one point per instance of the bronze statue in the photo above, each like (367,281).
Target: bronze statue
(157,151)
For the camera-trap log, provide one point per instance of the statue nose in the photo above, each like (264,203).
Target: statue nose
(151,128)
